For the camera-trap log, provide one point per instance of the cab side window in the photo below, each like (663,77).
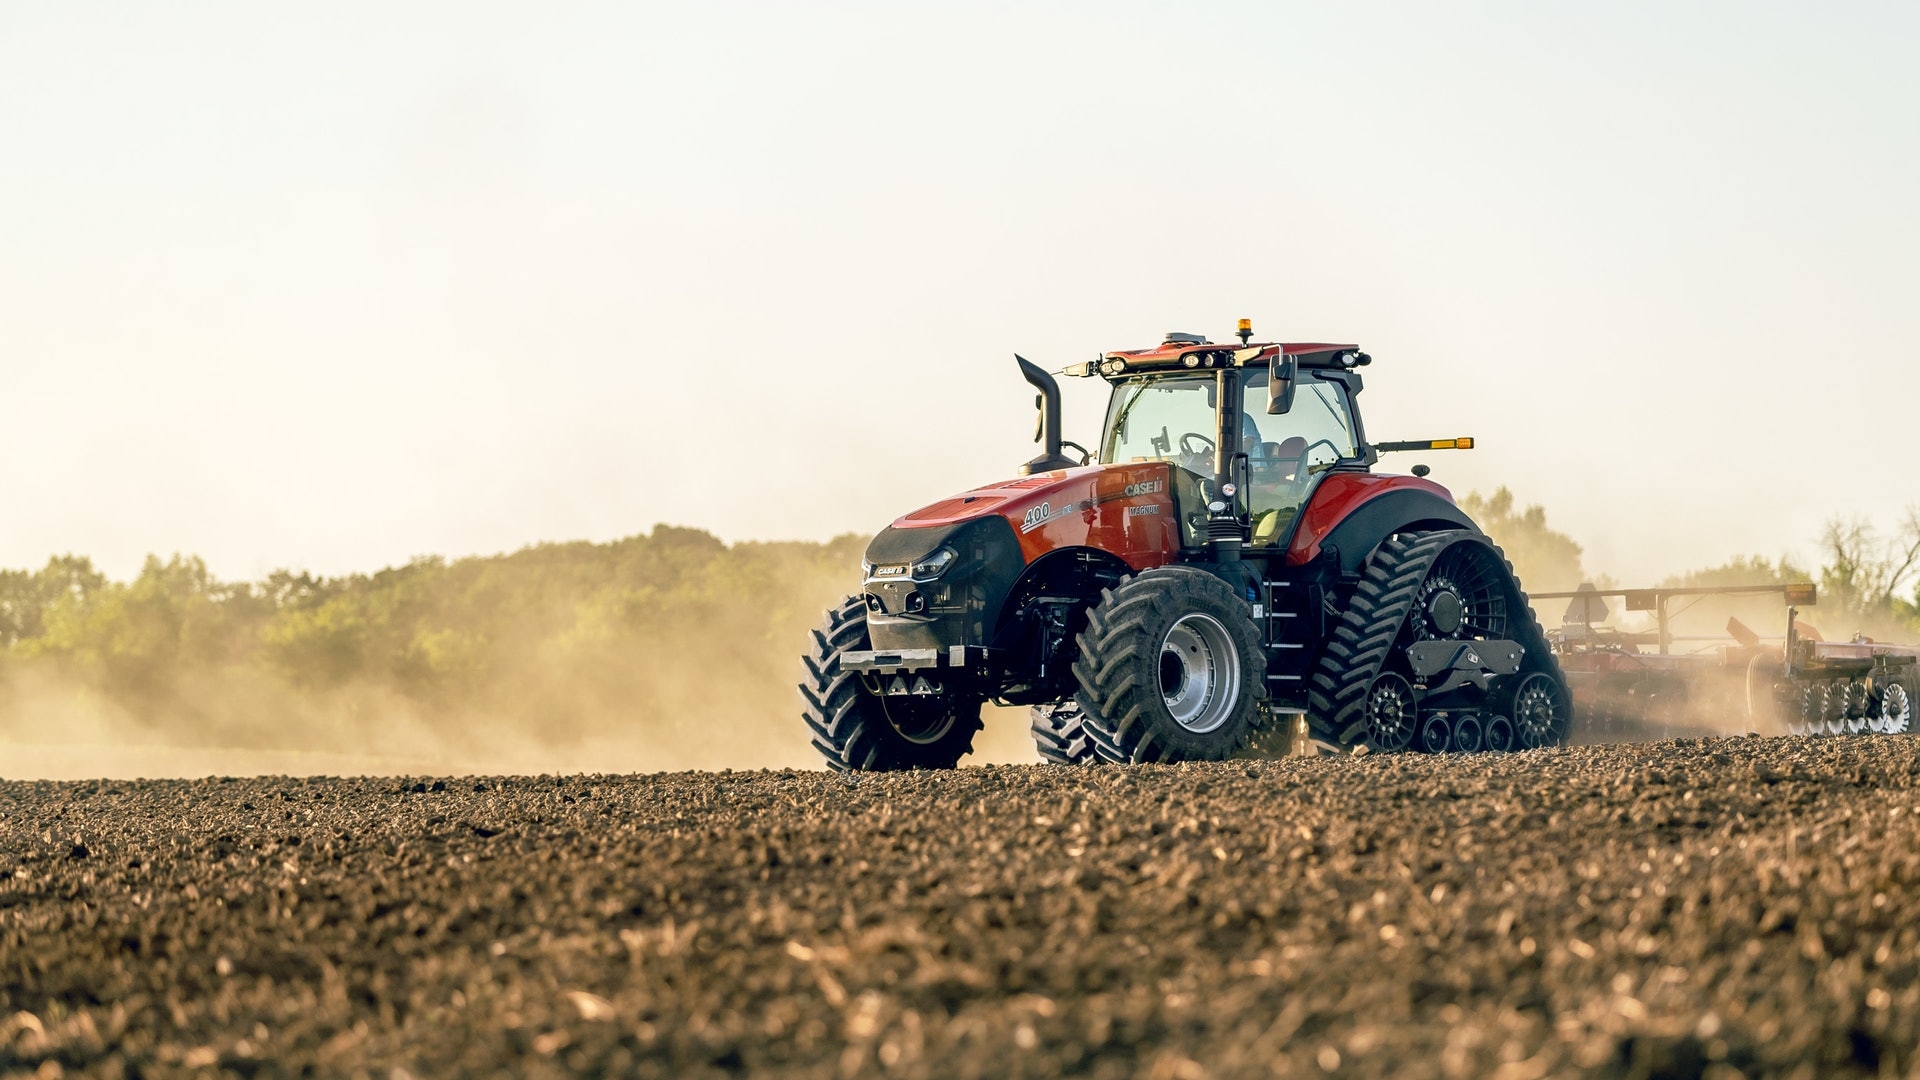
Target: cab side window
(1286,451)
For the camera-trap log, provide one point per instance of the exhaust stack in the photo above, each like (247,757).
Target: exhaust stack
(1049,434)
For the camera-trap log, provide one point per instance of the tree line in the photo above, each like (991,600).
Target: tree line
(671,638)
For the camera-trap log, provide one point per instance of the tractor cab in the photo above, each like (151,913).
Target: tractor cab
(1285,423)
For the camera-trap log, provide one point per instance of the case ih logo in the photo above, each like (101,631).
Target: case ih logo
(1147,487)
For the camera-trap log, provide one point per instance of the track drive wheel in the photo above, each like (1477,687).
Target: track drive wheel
(1170,669)
(1422,586)
(1059,733)
(859,732)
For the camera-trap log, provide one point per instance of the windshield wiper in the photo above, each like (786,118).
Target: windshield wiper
(1116,432)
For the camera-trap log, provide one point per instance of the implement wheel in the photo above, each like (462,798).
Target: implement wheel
(860,732)
(1170,669)
(1897,706)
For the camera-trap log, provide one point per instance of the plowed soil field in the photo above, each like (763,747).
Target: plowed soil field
(1711,907)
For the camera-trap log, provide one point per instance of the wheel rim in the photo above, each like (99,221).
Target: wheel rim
(1463,597)
(1538,714)
(919,719)
(1436,734)
(1199,672)
(1391,713)
(1500,735)
(1896,711)
(1468,735)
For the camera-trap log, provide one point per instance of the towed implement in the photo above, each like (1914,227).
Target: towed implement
(1228,555)
(1634,683)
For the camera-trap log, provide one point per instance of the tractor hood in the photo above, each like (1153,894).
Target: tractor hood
(1126,509)
(939,576)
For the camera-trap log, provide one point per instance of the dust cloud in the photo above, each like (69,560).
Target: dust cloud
(659,652)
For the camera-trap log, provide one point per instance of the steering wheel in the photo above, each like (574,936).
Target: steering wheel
(1196,452)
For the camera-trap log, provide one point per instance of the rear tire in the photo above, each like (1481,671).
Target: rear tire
(1060,734)
(859,732)
(1170,669)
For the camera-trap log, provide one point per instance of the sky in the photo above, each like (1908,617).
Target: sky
(333,286)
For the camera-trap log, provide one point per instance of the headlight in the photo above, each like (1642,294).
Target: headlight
(934,565)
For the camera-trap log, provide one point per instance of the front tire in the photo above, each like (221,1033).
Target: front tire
(1170,669)
(1060,734)
(857,731)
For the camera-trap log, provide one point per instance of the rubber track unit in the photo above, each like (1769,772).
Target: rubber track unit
(1059,733)
(1120,694)
(1336,718)
(849,726)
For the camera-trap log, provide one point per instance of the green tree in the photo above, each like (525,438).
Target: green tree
(26,595)
(1544,560)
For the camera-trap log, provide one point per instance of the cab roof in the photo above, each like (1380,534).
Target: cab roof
(1304,351)
(1192,352)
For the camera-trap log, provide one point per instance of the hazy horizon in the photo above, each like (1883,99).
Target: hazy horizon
(333,289)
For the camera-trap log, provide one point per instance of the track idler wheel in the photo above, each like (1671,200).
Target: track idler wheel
(1540,713)
(1393,716)
(1436,734)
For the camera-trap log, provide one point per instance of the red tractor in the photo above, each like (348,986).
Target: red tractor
(1228,556)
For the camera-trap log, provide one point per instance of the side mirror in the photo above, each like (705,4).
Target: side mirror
(1280,385)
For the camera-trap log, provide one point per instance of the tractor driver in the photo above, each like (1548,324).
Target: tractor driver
(1274,466)
(1277,478)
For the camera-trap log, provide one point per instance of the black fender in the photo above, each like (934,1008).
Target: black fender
(1070,571)
(1369,525)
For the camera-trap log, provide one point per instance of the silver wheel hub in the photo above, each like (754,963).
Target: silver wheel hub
(1199,672)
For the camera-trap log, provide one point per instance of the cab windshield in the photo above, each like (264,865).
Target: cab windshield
(1171,418)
